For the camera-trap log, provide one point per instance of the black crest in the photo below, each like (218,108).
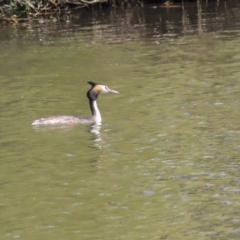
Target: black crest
(93,84)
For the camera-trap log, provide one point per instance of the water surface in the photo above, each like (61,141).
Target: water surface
(165,162)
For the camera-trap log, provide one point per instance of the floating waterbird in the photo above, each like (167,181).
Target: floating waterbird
(92,95)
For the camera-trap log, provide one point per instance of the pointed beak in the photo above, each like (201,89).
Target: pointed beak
(112,91)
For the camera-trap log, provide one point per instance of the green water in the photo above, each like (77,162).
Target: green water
(163,165)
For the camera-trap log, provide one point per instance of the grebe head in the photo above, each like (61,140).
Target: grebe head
(97,88)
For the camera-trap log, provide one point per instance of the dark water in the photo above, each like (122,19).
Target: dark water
(165,162)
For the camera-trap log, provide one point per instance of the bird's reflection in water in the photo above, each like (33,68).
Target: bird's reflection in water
(97,138)
(94,129)
(53,127)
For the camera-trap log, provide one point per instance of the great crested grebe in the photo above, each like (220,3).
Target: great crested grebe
(92,95)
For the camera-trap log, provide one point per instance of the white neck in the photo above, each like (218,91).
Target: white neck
(96,115)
